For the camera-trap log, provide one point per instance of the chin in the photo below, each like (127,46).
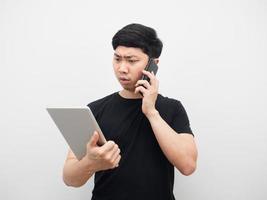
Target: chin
(131,89)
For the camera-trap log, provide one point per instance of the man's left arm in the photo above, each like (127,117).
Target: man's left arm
(180,149)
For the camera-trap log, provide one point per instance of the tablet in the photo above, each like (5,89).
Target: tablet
(77,125)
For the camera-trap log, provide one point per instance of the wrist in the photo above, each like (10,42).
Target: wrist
(152,114)
(86,165)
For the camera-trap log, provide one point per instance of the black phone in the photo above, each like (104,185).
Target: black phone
(151,67)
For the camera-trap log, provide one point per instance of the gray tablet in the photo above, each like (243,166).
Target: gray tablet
(77,126)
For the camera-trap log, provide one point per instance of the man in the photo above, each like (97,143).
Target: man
(148,134)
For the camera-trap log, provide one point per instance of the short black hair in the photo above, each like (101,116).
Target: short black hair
(139,36)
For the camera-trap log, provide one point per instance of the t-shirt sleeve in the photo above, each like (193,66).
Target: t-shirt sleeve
(180,122)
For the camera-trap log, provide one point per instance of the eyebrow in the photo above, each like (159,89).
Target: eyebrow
(117,55)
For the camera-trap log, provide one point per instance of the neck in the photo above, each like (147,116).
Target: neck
(129,94)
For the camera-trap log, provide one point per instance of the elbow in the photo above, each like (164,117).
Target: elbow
(188,168)
(70,183)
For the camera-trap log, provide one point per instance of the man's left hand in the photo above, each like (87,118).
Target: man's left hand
(149,91)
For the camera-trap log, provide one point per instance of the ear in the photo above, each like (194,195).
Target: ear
(156,61)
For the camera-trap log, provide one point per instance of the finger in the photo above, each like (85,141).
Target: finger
(94,139)
(115,155)
(151,76)
(140,89)
(109,155)
(117,161)
(107,146)
(144,83)
(157,84)
(112,151)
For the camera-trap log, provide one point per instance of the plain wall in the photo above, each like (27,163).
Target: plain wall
(58,53)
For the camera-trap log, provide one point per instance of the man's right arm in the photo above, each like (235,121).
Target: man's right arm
(77,172)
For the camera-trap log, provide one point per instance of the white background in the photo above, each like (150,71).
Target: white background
(58,53)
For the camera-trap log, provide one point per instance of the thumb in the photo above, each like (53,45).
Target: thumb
(94,139)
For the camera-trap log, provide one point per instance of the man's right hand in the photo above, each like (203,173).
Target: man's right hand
(102,157)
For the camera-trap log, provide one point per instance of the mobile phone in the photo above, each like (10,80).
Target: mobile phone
(151,67)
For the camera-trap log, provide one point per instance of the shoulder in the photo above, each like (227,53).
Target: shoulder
(101,100)
(174,113)
(169,107)
(167,102)
(100,103)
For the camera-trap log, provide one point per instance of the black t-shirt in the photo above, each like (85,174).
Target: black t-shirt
(144,172)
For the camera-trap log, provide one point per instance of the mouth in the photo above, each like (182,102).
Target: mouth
(124,80)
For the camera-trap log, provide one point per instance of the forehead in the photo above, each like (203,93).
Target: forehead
(129,52)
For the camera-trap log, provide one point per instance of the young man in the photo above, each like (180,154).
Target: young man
(148,134)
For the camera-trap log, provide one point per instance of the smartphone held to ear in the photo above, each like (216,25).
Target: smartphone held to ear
(151,67)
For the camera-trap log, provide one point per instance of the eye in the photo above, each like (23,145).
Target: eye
(117,59)
(132,61)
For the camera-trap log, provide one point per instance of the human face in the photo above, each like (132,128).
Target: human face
(128,63)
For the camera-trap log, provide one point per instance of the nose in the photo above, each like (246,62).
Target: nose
(123,68)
